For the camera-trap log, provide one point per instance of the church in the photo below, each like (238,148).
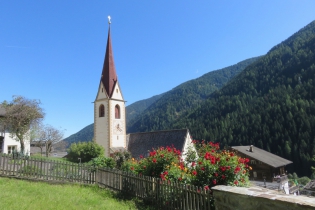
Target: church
(110,118)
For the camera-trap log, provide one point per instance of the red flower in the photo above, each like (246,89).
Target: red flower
(222,168)
(246,160)
(223,177)
(153,153)
(216,174)
(231,154)
(228,167)
(241,160)
(237,169)
(132,168)
(194,173)
(203,168)
(180,178)
(236,182)
(214,182)
(207,156)
(200,162)
(165,172)
(162,155)
(162,177)
(144,167)
(141,156)
(193,164)
(206,187)
(154,160)
(212,160)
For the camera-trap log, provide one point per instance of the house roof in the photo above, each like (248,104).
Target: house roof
(263,156)
(140,143)
(310,185)
(2,111)
(109,76)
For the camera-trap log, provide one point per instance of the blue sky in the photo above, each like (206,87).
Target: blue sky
(54,50)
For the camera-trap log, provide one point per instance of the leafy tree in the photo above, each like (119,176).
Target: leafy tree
(46,136)
(21,114)
(84,151)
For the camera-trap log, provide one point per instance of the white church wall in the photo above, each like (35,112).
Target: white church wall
(101,126)
(118,138)
(188,145)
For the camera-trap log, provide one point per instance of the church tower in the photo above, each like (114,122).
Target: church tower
(109,107)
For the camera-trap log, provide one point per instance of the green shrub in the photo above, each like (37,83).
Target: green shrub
(103,162)
(303,180)
(84,151)
(121,157)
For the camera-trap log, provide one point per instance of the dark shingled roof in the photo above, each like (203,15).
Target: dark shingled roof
(2,111)
(141,143)
(263,156)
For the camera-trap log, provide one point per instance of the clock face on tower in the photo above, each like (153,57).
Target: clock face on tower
(118,127)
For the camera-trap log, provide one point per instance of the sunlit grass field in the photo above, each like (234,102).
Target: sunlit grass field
(21,194)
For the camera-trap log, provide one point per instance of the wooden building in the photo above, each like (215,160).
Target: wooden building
(264,164)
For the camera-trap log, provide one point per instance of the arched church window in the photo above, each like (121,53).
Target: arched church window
(101,111)
(117,112)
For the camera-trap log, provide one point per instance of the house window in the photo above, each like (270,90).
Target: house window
(117,112)
(11,149)
(101,111)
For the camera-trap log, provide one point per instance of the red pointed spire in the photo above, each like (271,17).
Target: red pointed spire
(109,76)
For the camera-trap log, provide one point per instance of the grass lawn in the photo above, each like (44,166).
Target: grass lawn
(21,194)
(51,158)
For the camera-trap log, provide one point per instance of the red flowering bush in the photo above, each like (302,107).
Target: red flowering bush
(218,167)
(159,161)
(213,166)
(130,165)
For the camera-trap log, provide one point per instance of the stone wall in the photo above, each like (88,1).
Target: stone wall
(228,198)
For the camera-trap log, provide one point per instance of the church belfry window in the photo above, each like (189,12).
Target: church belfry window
(101,111)
(117,112)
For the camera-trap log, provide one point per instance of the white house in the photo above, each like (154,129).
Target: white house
(7,143)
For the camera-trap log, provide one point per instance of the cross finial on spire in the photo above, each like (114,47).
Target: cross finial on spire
(109,22)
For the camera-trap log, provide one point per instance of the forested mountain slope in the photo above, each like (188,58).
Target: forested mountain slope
(271,104)
(85,134)
(136,108)
(184,98)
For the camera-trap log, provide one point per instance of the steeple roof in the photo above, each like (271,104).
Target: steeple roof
(109,76)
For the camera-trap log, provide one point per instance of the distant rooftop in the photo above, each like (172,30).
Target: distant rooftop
(310,185)
(263,156)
